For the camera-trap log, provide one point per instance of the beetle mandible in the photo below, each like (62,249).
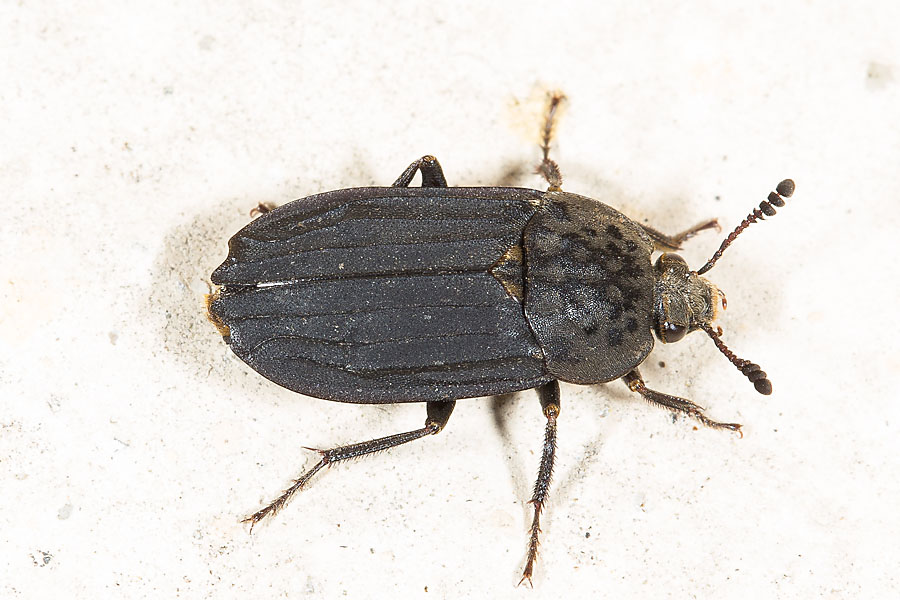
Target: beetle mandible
(380,295)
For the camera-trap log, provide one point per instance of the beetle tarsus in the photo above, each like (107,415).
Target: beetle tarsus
(279,502)
(549,396)
(635,383)
(548,169)
(437,417)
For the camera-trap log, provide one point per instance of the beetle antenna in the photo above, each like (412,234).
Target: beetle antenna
(751,371)
(766,209)
(548,169)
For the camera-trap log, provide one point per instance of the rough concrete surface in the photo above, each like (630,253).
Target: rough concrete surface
(136,137)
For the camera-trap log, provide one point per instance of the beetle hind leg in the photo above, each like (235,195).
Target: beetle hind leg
(549,396)
(438,415)
(635,383)
(432,173)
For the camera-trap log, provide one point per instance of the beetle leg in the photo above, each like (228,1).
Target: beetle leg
(548,169)
(432,173)
(635,383)
(438,415)
(549,396)
(262,208)
(673,242)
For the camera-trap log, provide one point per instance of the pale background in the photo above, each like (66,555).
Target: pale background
(137,136)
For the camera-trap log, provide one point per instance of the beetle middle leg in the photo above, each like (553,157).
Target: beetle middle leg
(635,383)
(432,173)
(438,415)
(663,241)
(549,396)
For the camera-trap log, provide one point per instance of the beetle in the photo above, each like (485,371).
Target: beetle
(382,295)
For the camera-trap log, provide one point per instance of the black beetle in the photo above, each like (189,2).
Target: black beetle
(380,295)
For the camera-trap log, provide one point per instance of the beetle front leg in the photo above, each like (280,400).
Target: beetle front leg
(663,241)
(432,173)
(635,383)
(548,169)
(549,396)
(438,415)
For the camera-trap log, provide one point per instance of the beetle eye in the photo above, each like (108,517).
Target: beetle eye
(672,332)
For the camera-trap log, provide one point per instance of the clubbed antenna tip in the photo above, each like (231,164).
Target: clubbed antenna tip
(766,209)
(751,371)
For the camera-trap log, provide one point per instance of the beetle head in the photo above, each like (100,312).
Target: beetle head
(684,302)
